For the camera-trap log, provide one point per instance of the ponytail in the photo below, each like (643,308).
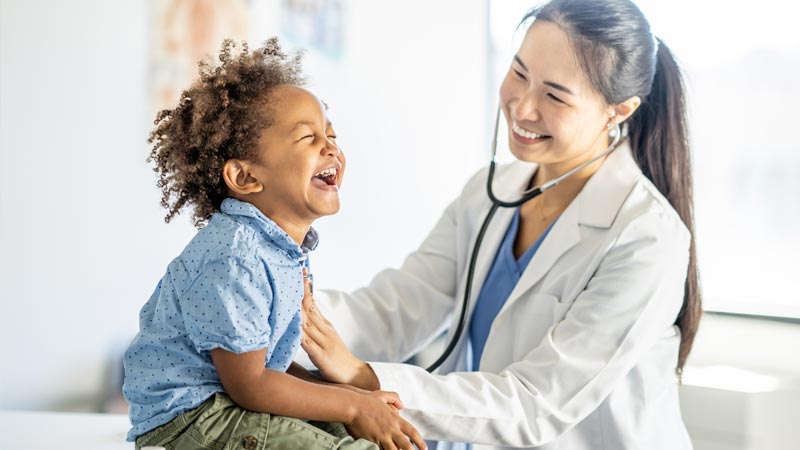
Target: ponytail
(659,139)
(616,48)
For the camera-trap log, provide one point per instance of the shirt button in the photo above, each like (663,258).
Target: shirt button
(249,443)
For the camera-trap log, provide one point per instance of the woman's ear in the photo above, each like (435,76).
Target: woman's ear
(626,108)
(238,177)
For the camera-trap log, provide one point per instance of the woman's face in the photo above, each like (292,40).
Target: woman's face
(554,114)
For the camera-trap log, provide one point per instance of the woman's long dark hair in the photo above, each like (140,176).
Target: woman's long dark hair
(623,59)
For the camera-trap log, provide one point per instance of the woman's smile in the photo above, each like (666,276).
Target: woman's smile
(525,136)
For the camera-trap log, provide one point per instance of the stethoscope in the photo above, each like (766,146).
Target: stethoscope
(617,133)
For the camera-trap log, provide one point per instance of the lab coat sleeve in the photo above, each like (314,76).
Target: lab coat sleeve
(630,302)
(404,309)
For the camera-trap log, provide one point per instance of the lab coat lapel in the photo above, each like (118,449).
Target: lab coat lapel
(512,182)
(596,205)
(562,237)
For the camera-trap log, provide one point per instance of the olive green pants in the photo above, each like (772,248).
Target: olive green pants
(220,424)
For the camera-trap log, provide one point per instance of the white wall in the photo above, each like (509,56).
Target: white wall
(82,240)
(79,227)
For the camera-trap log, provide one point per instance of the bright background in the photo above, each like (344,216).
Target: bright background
(412,90)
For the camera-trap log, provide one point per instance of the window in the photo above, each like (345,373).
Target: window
(741,64)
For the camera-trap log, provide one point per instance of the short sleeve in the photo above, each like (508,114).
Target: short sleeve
(228,306)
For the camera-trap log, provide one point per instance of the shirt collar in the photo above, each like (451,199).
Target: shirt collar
(234,207)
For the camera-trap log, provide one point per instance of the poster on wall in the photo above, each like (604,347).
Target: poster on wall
(183,33)
(315,25)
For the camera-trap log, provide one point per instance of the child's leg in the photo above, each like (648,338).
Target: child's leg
(335,428)
(220,424)
(295,434)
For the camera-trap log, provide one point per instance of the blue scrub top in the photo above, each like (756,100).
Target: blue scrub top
(503,277)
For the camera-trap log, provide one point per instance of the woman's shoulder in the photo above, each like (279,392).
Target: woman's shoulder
(647,212)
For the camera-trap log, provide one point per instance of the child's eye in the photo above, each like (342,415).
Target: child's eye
(332,136)
(518,74)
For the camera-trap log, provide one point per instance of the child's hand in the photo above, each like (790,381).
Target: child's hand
(327,351)
(381,424)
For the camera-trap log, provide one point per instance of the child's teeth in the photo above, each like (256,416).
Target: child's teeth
(326,173)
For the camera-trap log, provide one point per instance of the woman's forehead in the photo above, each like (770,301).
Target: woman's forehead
(548,55)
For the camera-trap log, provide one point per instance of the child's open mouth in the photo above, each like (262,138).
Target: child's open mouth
(327,176)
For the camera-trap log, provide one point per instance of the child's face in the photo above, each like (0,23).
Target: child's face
(299,164)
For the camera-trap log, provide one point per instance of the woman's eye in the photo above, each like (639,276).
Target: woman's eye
(518,74)
(553,97)
(307,136)
(331,136)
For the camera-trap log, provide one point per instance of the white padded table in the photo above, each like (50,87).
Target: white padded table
(26,430)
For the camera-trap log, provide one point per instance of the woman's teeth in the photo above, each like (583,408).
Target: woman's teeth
(525,133)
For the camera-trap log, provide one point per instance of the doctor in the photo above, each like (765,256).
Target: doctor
(584,314)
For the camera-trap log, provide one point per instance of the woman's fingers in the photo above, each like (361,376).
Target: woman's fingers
(315,329)
(309,305)
(309,344)
(315,313)
(315,334)
(316,319)
(315,310)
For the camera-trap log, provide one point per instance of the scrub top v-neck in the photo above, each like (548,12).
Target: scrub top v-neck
(503,276)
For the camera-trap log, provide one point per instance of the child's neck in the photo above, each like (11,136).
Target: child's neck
(296,231)
(295,226)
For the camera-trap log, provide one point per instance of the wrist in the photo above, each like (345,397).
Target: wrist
(366,378)
(353,406)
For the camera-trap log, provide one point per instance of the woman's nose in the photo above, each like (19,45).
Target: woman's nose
(525,107)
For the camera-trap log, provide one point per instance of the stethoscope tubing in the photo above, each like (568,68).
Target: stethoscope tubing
(497,203)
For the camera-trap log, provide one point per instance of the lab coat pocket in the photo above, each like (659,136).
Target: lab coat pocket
(536,316)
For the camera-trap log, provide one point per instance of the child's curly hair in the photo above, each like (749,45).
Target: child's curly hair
(220,117)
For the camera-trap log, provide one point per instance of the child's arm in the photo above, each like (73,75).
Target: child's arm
(254,387)
(301,372)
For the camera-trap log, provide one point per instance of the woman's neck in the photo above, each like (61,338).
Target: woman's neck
(564,192)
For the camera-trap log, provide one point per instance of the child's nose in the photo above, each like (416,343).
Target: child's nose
(331,148)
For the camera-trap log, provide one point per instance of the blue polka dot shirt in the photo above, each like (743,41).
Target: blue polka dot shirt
(238,286)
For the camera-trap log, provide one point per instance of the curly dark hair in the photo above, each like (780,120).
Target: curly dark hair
(220,117)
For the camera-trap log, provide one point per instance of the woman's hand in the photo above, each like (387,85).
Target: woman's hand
(377,420)
(327,351)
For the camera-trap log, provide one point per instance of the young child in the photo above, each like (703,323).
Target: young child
(255,157)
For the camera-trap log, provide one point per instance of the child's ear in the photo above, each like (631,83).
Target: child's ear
(238,178)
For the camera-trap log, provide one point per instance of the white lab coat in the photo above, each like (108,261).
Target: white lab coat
(581,356)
